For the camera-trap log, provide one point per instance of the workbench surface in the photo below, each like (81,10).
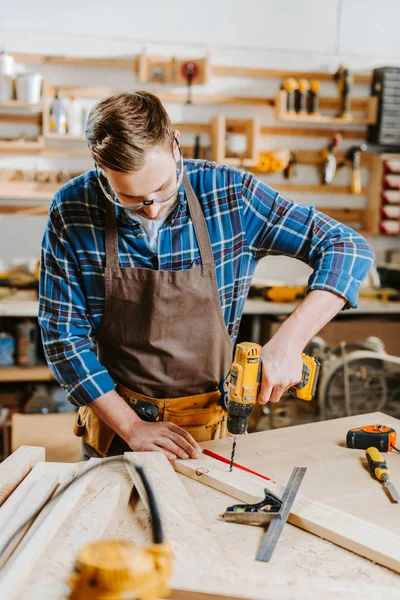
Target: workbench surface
(303,565)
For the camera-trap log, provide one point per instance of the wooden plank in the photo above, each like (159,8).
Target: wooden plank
(16,467)
(194,545)
(41,534)
(88,523)
(21,147)
(77,61)
(326,102)
(374,199)
(354,134)
(40,373)
(217,70)
(307,188)
(27,500)
(17,104)
(54,431)
(354,534)
(345,215)
(259,73)
(35,118)
(192,127)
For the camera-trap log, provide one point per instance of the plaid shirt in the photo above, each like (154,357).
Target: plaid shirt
(246,221)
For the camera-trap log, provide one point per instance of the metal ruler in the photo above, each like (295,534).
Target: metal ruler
(271,536)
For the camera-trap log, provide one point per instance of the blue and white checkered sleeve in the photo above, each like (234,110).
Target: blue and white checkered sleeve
(66,330)
(274,225)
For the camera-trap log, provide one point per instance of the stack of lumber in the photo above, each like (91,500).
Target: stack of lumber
(213,559)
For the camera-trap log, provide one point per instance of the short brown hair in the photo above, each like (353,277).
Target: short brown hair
(121,128)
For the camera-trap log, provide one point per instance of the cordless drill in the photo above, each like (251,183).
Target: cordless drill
(243,384)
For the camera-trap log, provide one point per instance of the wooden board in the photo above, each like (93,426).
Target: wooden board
(360,536)
(194,545)
(40,535)
(28,499)
(53,431)
(16,467)
(94,516)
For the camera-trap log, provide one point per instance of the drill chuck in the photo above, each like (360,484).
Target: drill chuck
(238,417)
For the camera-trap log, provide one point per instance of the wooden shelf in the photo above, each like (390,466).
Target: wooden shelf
(16,104)
(14,374)
(258,73)
(370,105)
(23,303)
(21,210)
(64,137)
(17,146)
(307,188)
(28,190)
(133,63)
(353,134)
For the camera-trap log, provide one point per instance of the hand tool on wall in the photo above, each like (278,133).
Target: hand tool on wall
(353,156)
(290,86)
(379,468)
(328,156)
(196,150)
(381,437)
(313,95)
(274,161)
(272,512)
(290,170)
(301,96)
(189,70)
(344,80)
(243,383)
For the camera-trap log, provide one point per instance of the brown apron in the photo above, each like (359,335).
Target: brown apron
(163,336)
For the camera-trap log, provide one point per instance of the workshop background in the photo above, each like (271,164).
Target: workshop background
(253,86)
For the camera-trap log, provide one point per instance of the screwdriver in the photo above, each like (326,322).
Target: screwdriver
(379,468)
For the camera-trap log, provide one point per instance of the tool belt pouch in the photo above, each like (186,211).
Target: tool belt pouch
(201,415)
(93,430)
(203,424)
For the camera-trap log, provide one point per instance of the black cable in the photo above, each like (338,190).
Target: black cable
(158,536)
(394,448)
(156,524)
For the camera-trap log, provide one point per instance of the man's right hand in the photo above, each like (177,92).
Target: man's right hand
(165,437)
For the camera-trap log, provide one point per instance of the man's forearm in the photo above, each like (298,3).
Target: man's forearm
(281,357)
(316,310)
(113,410)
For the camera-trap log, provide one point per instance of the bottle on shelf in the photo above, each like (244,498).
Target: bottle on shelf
(58,115)
(74,117)
(6,77)
(7,349)
(27,339)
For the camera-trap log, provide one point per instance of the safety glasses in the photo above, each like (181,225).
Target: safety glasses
(113,198)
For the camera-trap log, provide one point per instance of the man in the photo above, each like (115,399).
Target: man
(151,259)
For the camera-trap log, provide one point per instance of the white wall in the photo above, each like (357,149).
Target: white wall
(307,35)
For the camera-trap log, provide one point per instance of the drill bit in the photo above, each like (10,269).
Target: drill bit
(232,454)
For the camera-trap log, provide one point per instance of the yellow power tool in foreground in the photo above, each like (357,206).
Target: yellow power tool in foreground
(120,570)
(244,381)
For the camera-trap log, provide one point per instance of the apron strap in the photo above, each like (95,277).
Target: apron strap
(197,216)
(199,223)
(111,236)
